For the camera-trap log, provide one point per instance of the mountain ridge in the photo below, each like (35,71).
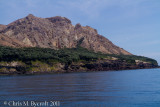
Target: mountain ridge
(56,33)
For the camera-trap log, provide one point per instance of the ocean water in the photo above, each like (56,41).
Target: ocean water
(125,88)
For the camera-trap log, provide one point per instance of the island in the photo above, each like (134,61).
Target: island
(34,45)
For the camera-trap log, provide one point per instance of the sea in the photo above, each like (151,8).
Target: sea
(125,88)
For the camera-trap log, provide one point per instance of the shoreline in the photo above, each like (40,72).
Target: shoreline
(62,72)
(38,67)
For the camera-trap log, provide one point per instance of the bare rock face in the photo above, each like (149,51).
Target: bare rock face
(2,27)
(57,32)
(7,41)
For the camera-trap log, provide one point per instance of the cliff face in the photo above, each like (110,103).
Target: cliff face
(56,33)
(11,42)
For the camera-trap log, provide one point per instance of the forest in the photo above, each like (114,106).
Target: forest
(66,55)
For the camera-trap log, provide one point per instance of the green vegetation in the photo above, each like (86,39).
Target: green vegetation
(132,58)
(67,56)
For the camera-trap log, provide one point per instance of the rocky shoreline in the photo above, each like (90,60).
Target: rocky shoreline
(37,67)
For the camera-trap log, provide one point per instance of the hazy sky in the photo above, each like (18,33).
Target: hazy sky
(131,24)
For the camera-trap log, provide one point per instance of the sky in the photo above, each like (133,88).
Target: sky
(133,25)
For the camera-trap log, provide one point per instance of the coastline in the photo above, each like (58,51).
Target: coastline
(37,67)
(60,72)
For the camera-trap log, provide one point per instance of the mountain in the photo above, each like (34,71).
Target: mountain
(11,42)
(56,33)
(2,27)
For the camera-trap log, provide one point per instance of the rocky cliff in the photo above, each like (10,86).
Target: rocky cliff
(2,27)
(11,42)
(56,33)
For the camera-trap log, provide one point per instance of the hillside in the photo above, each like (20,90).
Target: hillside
(46,60)
(56,33)
(8,41)
(53,45)
(2,27)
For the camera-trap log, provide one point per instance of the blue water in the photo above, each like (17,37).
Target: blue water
(92,89)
